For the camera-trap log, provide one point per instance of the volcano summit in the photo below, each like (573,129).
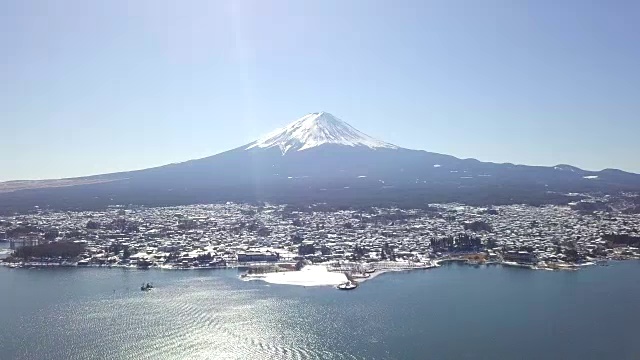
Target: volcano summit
(314,130)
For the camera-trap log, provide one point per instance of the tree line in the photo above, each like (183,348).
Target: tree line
(460,242)
(65,250)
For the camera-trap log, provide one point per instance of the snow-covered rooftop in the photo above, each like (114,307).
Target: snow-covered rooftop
(314,130)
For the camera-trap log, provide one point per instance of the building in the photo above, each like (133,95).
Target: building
(258,257)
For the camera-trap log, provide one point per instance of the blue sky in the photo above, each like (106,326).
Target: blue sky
(89,87)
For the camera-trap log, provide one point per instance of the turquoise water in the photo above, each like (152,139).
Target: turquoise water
(454,312)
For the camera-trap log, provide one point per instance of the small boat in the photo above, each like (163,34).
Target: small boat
(146,287)
(347,286)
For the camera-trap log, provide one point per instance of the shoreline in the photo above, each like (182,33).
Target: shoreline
(435,264)
(397,267)
(325,277)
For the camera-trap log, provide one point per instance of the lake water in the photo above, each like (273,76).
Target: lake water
(453,312)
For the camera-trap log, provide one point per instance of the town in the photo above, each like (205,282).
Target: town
(237,235)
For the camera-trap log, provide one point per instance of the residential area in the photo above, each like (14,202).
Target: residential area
(229,235)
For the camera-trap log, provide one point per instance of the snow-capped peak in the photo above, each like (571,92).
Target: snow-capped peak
(314,130)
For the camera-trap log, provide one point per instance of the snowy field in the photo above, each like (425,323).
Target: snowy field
(311,275)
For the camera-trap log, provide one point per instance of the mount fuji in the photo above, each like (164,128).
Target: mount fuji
(320,158)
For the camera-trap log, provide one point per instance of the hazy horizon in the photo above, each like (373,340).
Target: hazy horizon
(93,88)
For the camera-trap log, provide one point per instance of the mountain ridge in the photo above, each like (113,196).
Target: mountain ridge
(320,158)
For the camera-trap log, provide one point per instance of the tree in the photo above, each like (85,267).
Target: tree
(115,248)
(299,265)
(307,249)
(22,230)
(491,243)
(172,256)
(573,255)
(204,257)
(478,226)
(71,234)
(131,227)
(66,250)
(264,231)
(50,235)
(296,238)
(126,253)
(358,252)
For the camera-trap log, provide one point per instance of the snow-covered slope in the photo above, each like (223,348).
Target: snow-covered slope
(314,130)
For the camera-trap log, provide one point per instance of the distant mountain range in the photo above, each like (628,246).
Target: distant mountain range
(320,158)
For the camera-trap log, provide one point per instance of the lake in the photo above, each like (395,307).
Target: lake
(453,312)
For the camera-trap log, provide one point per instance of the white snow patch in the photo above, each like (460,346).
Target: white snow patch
(314,130)
(591,177)
(310,275)
(362,176)
(437,165)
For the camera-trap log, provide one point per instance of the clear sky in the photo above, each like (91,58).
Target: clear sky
(89,87)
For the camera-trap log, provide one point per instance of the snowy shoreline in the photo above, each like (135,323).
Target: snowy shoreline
(320,275)
(311,275)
